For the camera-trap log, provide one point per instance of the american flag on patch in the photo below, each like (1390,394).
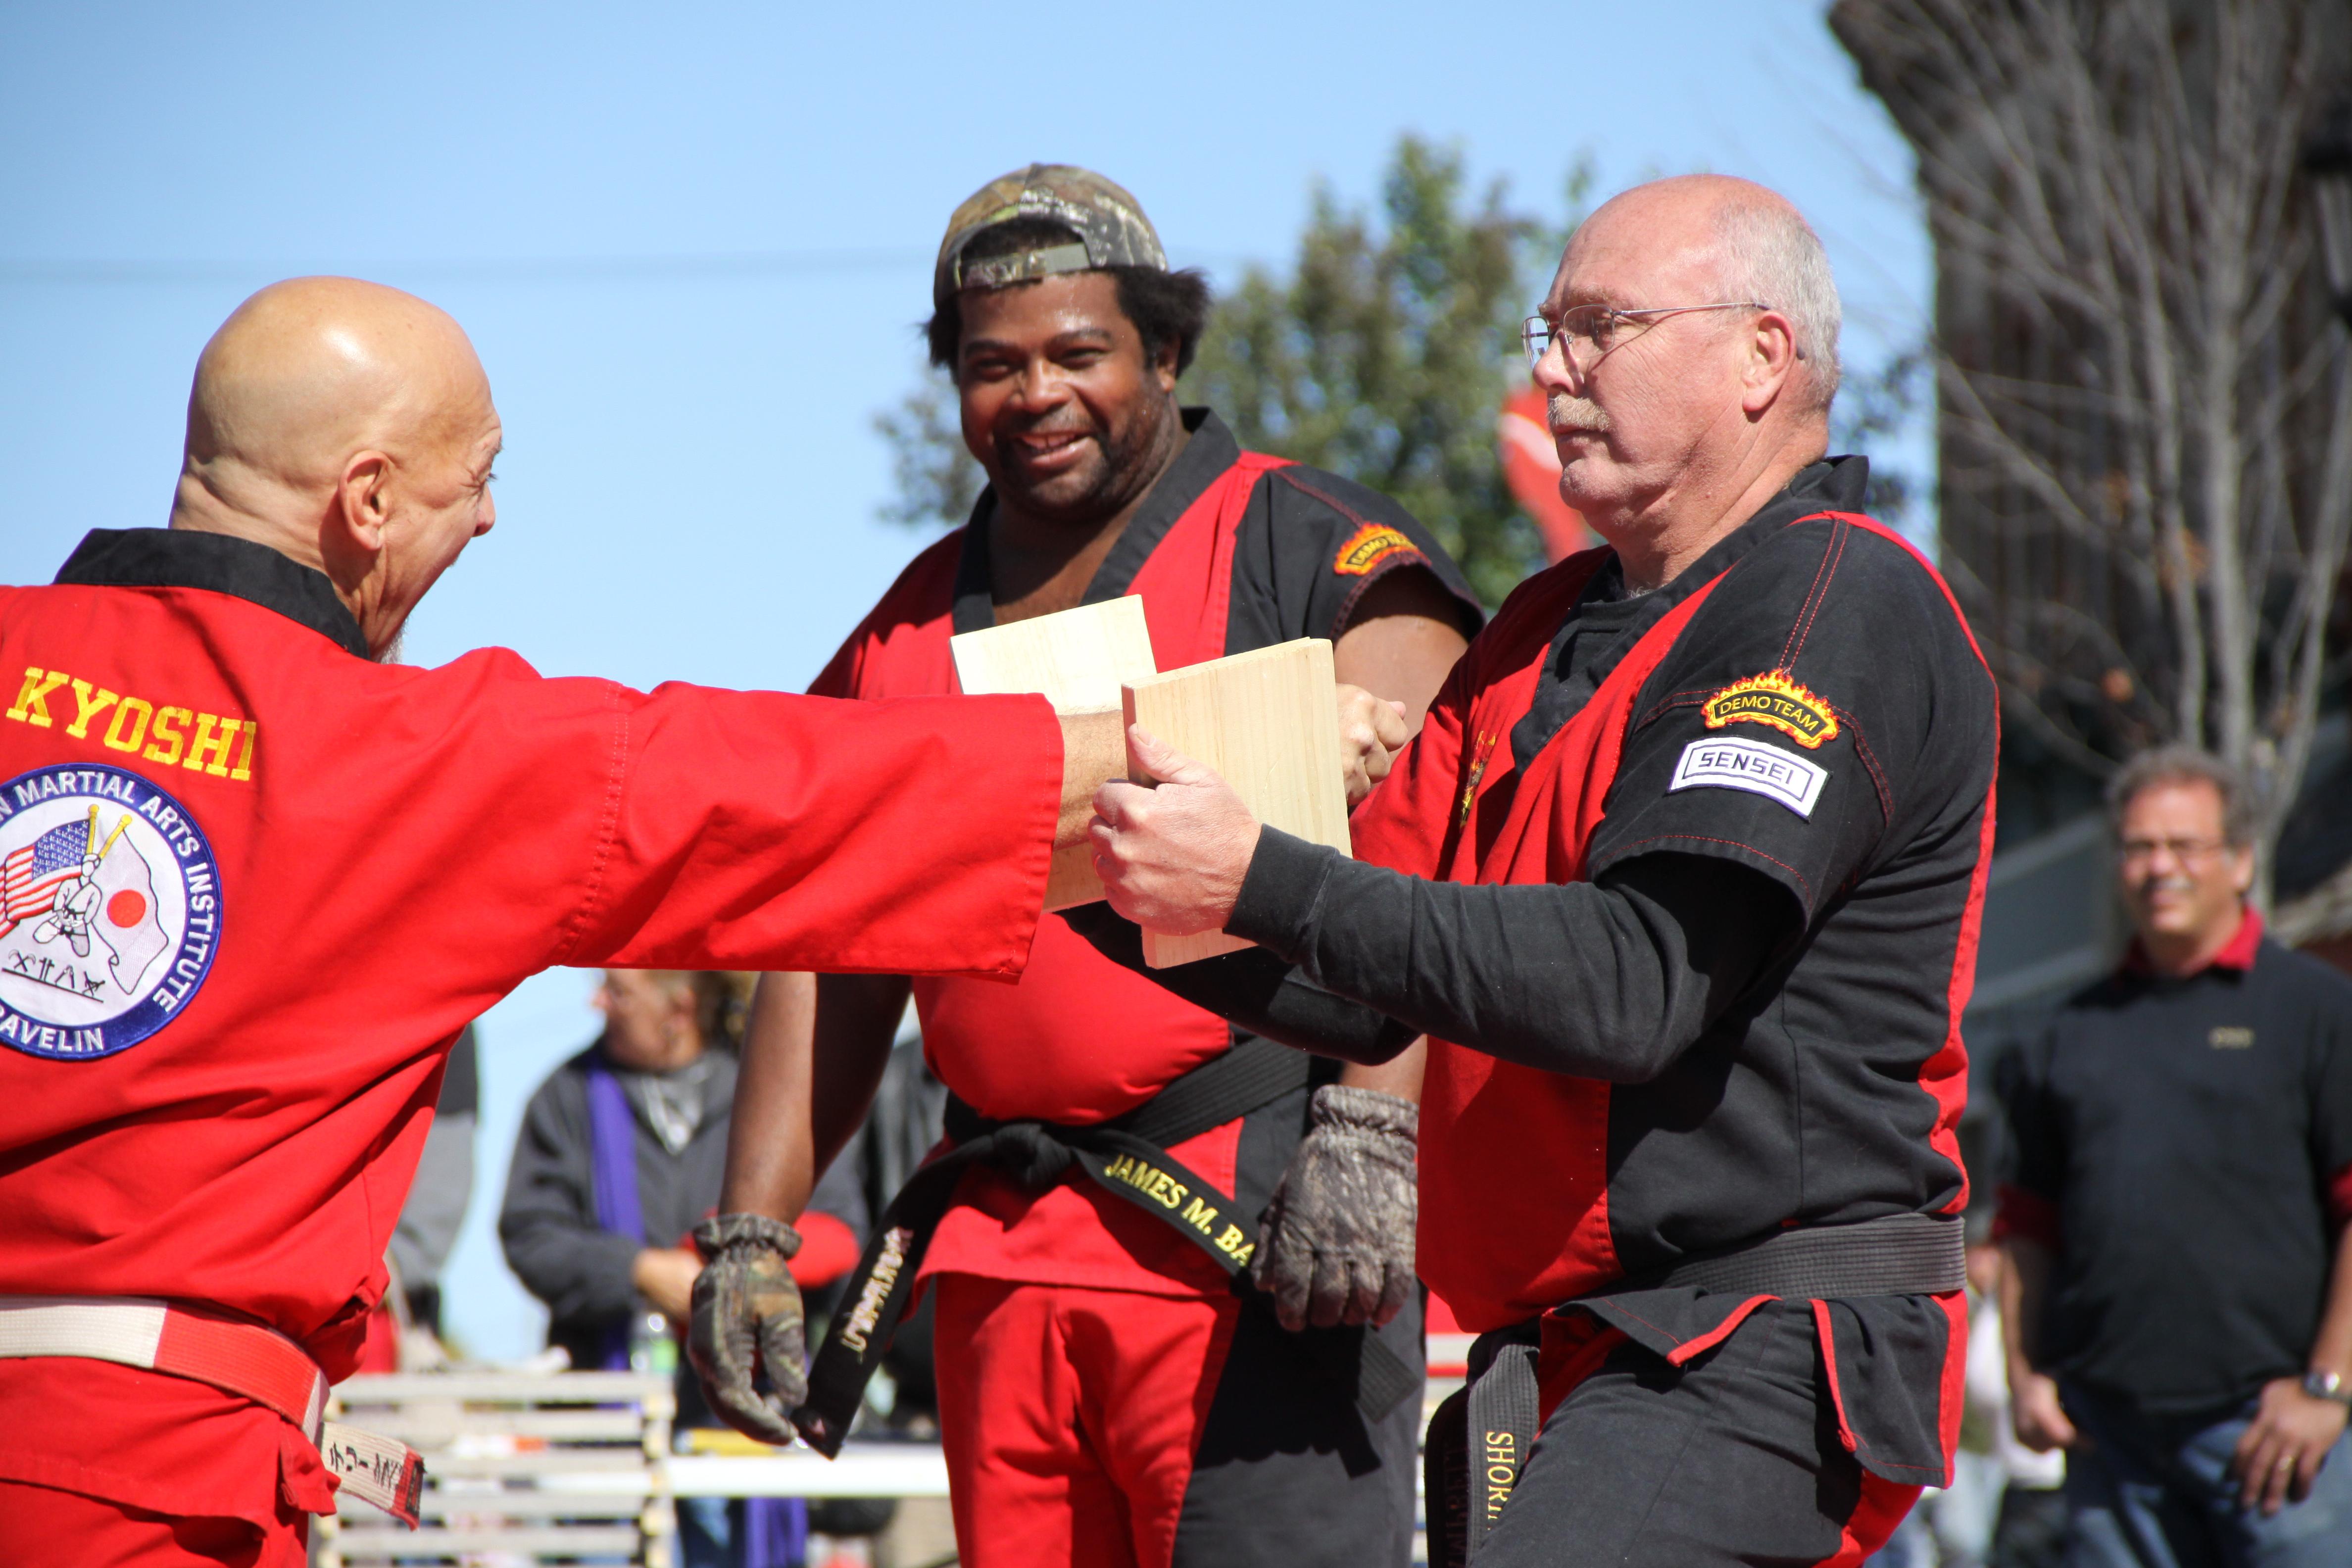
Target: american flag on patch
(32,874)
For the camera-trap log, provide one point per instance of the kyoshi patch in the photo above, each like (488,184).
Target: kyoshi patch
(1774,698)
(109,910)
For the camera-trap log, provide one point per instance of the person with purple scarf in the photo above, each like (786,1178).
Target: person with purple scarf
(620,1153)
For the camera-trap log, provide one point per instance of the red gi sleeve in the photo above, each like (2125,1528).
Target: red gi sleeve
(762,831)
(744,830)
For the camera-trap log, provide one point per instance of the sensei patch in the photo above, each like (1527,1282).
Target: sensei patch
(1756,766)
(1773,698)
(1368,546)
(109,911)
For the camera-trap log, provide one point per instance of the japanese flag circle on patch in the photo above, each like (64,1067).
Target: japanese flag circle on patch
(109,910)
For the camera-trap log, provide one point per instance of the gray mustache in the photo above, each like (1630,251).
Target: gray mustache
(1563,412)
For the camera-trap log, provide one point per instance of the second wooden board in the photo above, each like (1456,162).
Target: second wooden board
(1079,658)
(1268,720)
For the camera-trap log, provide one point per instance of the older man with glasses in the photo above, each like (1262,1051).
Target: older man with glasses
(2179,1308)
(1682,881)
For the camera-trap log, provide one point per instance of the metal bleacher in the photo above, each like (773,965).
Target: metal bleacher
(531,1468)
(562,1467)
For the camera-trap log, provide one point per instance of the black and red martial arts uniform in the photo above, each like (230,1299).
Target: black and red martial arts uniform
(256,885)
(1106,1395)
(1683,888)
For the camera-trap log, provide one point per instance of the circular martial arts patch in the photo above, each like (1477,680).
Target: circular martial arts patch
(109,910)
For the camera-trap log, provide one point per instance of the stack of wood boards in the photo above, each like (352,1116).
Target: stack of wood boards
(1268,720)
(1078,659)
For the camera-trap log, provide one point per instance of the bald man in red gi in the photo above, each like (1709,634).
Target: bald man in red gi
(254,879)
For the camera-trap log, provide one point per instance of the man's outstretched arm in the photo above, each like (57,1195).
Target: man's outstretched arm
(1094,752)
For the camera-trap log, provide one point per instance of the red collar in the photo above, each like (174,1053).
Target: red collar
(2236,953)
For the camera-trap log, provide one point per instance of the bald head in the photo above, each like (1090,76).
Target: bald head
(312,369)
(1734,239)
(348,426)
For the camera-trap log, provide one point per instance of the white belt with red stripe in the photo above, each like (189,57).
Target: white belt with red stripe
(243,1358)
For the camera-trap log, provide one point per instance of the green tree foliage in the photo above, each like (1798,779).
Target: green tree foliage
(933,479)
(1385,355)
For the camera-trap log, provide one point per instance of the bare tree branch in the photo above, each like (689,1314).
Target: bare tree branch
(2147,413)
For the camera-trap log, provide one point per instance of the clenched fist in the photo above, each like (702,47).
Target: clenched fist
(1372,733)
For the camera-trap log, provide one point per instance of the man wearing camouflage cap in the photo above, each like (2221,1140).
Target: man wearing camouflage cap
(1112,1389)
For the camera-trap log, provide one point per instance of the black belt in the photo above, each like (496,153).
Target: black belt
(1479,1437)
(1127,1155)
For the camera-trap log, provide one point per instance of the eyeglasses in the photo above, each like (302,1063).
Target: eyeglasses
(1591,330)
(2181,850)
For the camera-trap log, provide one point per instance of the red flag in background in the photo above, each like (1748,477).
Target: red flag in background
(1531,468)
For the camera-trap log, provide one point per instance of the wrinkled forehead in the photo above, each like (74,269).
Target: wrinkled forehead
(454,407)
(1638,250)
(2168,802)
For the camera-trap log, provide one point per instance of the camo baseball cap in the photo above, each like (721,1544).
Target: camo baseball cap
(1112,230)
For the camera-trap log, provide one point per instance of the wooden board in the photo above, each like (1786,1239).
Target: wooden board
(1269,722)
(1079,659)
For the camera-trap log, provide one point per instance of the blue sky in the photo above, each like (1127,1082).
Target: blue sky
(692,243)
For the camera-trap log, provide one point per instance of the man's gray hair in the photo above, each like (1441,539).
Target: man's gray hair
(1771,255)
(2187,764)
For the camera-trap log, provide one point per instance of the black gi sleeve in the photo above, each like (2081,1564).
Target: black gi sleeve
(1822,711)
(1311,544)
(1610,981)
(547,1225)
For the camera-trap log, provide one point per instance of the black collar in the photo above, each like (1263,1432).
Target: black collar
(1833,484)
(184,558)
(1210,452)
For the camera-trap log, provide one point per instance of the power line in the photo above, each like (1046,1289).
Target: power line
(515,269)
(109,271)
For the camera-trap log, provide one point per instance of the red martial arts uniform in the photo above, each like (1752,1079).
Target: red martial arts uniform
(256,883)
(1689,907)
(1079,1424)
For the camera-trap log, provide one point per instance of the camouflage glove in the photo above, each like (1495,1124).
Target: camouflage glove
(747,1316)
(1336,1244)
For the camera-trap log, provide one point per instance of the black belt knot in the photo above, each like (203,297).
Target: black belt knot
(1028,1151)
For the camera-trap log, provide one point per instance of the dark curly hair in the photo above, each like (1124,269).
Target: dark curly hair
(1165,307)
